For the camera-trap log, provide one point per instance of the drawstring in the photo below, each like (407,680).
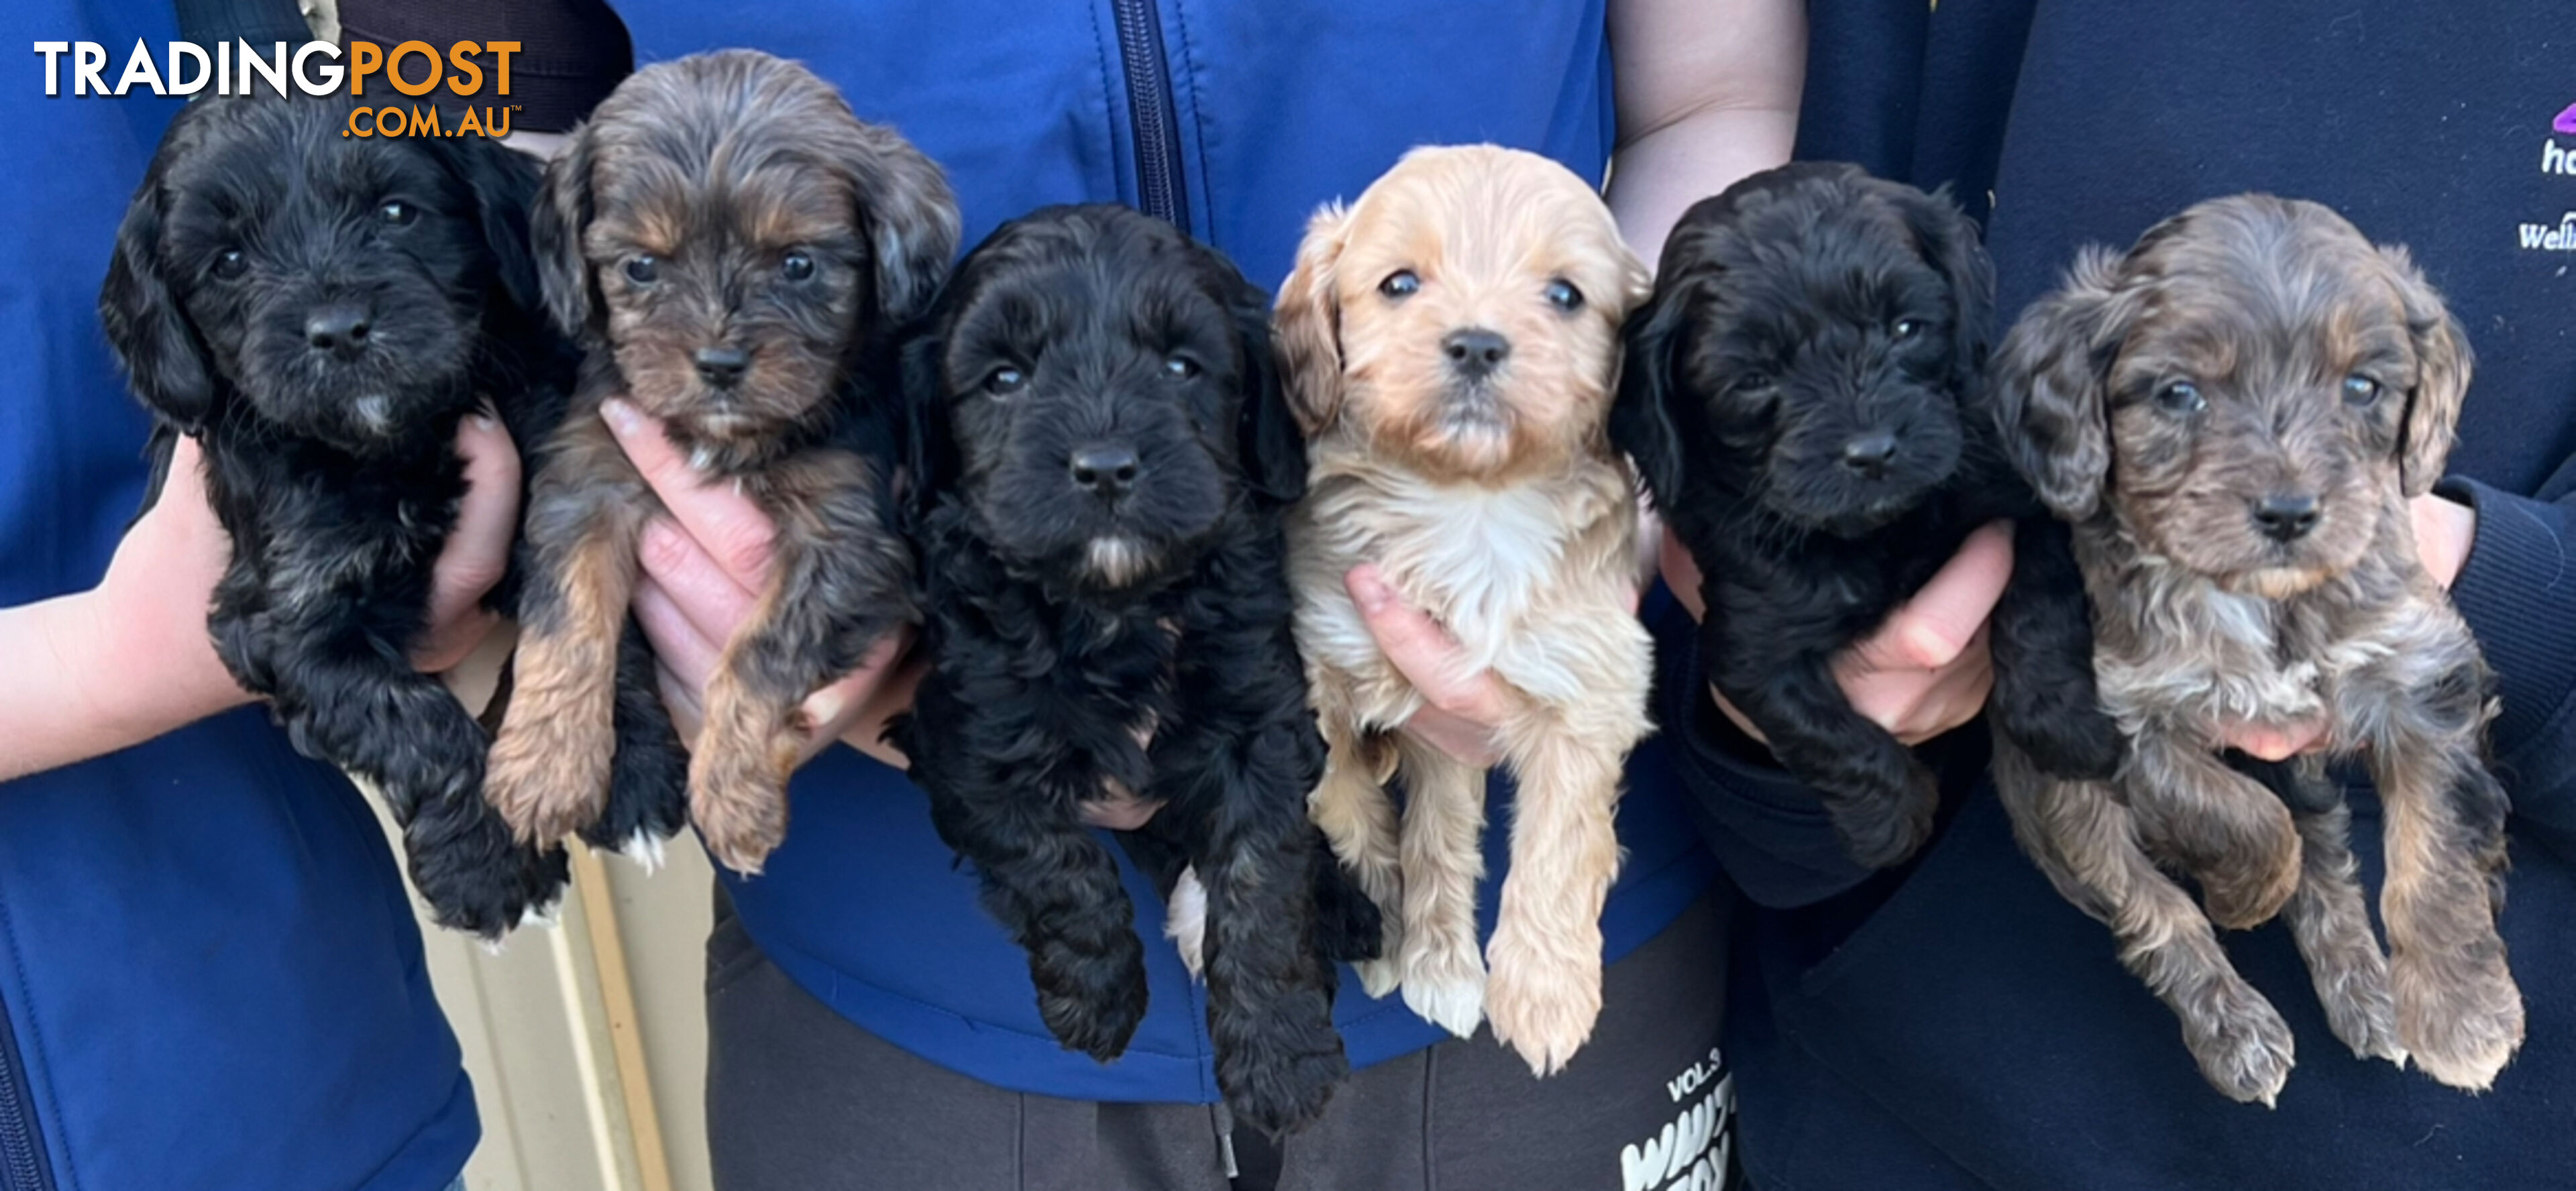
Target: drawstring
(1225,1140)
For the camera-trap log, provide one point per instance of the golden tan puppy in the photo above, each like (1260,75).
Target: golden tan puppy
(1451,343)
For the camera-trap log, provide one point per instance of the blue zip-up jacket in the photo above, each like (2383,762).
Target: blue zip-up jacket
(1234,120)
(1961,1026)
(209,975)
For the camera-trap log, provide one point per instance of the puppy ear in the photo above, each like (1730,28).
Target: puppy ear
(2443,362)
(163,358)
(1948,241)
(930,458)
(1270,448)
(1307,323)
(911,215)
(504,183)
(561,214)
(2049,386)
(1644,420)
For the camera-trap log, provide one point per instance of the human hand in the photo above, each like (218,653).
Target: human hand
(1461,708)
(1926,670)
(2444,531)
(704,567)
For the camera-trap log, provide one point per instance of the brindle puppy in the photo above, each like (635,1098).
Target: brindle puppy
(2233,415)
(734,248)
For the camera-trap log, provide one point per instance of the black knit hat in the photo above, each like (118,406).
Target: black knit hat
(572,53)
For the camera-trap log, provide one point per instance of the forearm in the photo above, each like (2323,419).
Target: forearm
(1708,92)
(80,685)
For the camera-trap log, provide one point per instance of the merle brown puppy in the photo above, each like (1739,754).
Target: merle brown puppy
(319,312)
(1804,398)
(1104,463)
(2234,414)
(734,249)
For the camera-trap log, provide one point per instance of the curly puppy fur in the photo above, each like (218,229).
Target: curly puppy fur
(1452,344)
(1104,460)
(320,312)
(2233,415)
(1805,398)
(734,249)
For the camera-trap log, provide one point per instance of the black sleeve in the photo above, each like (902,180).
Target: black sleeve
(259,22)
(2518,593)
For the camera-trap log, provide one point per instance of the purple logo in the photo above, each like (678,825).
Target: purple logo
(2566,121)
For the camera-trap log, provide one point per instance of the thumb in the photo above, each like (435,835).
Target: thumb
(1421,650)
(1928,631)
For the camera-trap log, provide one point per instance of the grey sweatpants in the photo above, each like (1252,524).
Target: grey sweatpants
(799,1099)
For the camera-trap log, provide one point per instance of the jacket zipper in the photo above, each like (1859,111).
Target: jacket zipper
(22,1152)
(1156,128)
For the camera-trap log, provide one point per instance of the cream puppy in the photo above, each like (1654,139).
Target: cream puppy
(1450,344)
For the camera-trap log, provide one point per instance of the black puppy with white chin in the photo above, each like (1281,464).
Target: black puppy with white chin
(320,312)
(1804,396)
(1103,461)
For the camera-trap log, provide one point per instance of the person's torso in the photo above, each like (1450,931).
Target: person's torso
(210,974)
(1235,120)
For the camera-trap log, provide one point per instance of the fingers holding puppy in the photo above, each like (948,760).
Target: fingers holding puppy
(1927,669)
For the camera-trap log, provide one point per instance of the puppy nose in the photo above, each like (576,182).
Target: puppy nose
(1870,454)
(2286,517)
(1475,351)
(1104,470)
(721,366)
(340,328)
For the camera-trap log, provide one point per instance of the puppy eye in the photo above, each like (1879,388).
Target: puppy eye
(2360,390)
(1180,368)
(1004,381)
(230,265)
(1908,328)
(1562,295)
(2182,397)
(1751,384)
(643,270)
(796,266)
(398,213)
(1400,284)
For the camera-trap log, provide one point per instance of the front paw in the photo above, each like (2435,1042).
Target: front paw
(1091,998)
(1279,1077)
(2360,1008)
(738,799)
(477,878)
(2459,1015)
(1348,927)
(2243,1047)
(1543,1000)
(1444,981)
(545,785)
(1884,830)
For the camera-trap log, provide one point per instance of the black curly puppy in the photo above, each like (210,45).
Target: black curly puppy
(320,311)
(1103,462)
(1804,396)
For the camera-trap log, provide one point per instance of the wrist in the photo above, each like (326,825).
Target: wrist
(146,674)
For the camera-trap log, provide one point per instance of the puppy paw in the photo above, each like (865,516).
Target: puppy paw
(1091,998)
(1185,921)
(1884,833)
(2244,1048)
(1543,999)
(1279,1080)
(738,800)
(2247,895)
(1379,977)
(546,786)
(488,891)
(2362,1011)
(2461,1028)
(1445,984)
